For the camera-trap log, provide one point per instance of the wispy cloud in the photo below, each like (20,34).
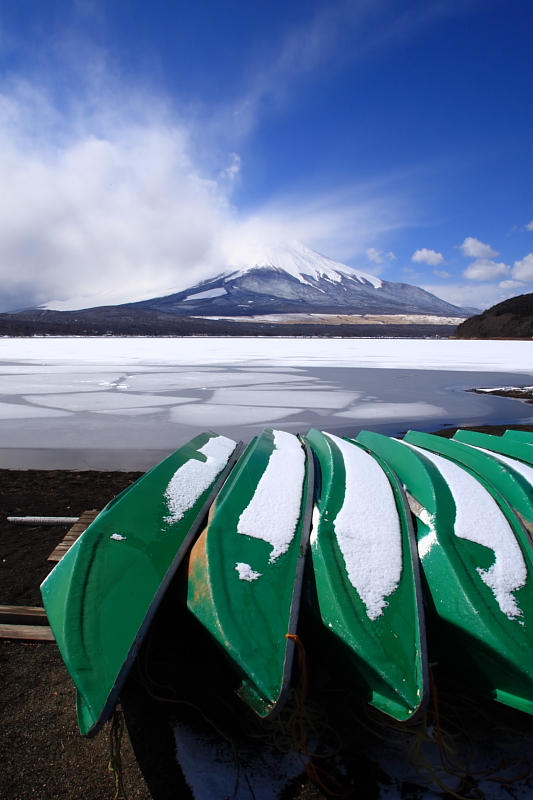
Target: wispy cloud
(337,35)
(378,256)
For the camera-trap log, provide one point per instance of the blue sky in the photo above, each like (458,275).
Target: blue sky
(145,146)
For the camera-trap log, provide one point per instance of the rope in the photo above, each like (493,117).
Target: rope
(297,723)
(115,758)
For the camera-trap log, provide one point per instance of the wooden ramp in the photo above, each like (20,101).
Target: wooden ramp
(26,623)
(74,533)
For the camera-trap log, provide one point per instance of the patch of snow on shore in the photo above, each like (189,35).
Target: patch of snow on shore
(479,519)
(210,769)
(368,529)
(194,477)
(274,509)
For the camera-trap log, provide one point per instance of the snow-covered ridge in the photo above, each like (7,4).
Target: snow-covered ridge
(302,263)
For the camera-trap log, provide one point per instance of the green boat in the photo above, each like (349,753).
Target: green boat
(101,597)
(509,477)
(246,569)
(478,569)
(366,582)
(526,437)
(505,446)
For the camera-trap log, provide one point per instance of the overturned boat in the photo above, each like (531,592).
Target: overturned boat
(477,561)
(103,594)
(246,569)
(367,591)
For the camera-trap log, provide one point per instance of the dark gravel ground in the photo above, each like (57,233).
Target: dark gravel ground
(41,751)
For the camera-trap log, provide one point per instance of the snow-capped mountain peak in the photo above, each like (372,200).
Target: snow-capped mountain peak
(302,263)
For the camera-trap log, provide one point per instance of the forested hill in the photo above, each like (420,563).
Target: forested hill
(512,319)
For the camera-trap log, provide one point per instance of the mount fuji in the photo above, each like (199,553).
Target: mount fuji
(295,279)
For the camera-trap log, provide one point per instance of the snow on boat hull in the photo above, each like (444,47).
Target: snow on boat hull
(509,477)
(481,595)
(366,585)
(101,597)
(246,569)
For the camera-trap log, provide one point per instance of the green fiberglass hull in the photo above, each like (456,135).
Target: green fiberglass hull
(246,569)
(366,587)
(498,444)
(506,479)
(486,616)
(101,597)
(526,437)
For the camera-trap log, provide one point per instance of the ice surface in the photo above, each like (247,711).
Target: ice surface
(479,519)
(283,397)
(246,573)
(15,411)
(391,411)
(194,477)
(161,381)
(104,401)
(444,354)
(45,383)
(132,412)
(368,529)
(274,510)
(212,772)
(214,415)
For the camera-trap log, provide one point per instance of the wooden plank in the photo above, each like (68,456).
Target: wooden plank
(30,633)
(73,534)
(23,615)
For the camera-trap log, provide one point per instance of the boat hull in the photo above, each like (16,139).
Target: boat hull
(472,637)
(244,591)
(102,595)
(377,643)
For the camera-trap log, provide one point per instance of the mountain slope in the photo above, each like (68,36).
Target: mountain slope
(296,279)
(511,319)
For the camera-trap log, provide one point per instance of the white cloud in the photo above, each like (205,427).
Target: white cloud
(411,273)
(378,256)
(472,295)
(483,269)
(510,284)
(441,273)
(473,248)
(529,226)
(425,256)
(109,206)
(523,270)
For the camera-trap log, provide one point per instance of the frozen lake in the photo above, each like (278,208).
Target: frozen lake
(125,403)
